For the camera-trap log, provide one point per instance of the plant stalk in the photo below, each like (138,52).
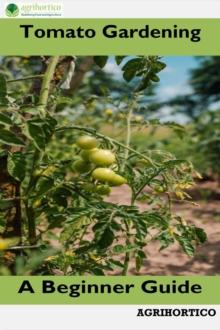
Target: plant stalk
(126,155)
(128,138)
(43,100)
(45,87)
(31,224)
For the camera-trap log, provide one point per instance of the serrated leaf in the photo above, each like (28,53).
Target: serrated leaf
(173,163)
(5,119)
(36,134)
(126,248)
(100,60)
(3,87)
(106,239)
(201,235)
(16,166)
(186,245)
(40,130)
(141,254)
(44,184)
(116,263)
(8,137)
(138,263)
(60,196)
(165,240)
(49,126)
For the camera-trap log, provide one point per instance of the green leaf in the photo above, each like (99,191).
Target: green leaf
(116,263)
(119,59)
(5,119)
(3,87)
(56,221)
(118,248)
(122,249)
(159,66)
(173,163)
(186,245)
(133,64)
(48,127)
(145,82)
(141,254)
(60,196)
(36,134)
(165,240)
(200,234)
(7,137)
(128,75)
(40,130)
(3,91)
(97,271)
(131,68)
(5,204)
(101,60)
(16,166)
(138,263)
(154,77)
(44,184)
(107,239)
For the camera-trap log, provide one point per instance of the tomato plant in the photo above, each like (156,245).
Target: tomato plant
(56,172)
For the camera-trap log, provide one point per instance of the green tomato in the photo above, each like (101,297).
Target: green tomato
(87,142)
(81,166)
(103,174)
(49,170)
(37,173)
(138,119)
(103,189)
(118,180)
(85,154)
(102,157)
(159,189)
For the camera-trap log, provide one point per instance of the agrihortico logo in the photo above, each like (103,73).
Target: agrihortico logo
(34,9)
(12,10)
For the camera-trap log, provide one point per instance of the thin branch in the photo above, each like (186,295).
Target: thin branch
(39,76)
(90,130)
(128,137)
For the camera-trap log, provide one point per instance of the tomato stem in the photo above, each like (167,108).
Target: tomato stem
(45,87)
(39,76)
(128,137)
(111,140)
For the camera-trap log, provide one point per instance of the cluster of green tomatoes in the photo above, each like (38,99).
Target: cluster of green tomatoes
(97,163)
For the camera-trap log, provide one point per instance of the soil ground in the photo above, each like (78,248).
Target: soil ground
(172,261)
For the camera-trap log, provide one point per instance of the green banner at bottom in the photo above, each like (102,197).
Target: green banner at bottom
(110,290)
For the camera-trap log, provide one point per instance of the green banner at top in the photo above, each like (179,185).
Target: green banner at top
(110,36)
